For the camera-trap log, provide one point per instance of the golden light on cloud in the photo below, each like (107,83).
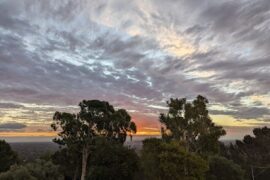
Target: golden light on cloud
(227,120)
(175,44)
(28,134)
(168,39)
(201,74)
(148,133)
(264,99)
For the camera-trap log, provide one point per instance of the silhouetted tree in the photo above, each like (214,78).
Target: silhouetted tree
(112,161)
(69,162)
(7,156)
(253,153)
(221,168)
(169,160)
(190,123)
(95,119)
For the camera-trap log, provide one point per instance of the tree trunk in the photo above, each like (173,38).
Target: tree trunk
(252,173)
(85,155)
(76,173)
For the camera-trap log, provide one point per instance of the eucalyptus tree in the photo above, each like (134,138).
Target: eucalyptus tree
(7,156)
(95,119)
(190,123)
(253,153)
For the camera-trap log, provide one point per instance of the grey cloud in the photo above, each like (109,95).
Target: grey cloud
(12,126)
(244,22)
(245,112)
(62,55)
(10,106)
(224,15)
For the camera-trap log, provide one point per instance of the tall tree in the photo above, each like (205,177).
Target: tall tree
(7,156)
(253,153)
(190,123)
(95,119)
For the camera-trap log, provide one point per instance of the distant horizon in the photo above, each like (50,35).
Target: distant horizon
(25,139)
(47,139)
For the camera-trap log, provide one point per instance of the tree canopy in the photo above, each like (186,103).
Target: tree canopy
(95,119)
(112,161)
(92,147)
(38,170)
(69,162)
(221,168)
(253,153)
(162,160)
(190,123)
(7,156)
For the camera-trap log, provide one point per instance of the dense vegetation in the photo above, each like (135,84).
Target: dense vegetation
(7,156)
(92,147)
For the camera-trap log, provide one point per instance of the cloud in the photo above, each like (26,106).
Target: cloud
(245,112)
(10,106)
(134,54)
(12,126)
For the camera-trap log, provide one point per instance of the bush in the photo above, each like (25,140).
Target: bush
(112,161)
(39,170)
(221,168)
(17,173)
(162,160)
(7,156)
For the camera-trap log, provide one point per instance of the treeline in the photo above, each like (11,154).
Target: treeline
(91,146)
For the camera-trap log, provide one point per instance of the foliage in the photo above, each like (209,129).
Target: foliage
(68,161)
(43,170)
(39,170)
(169,160)
(17,173)
(7,156)
(253,153)
(93,148)
(190,123)
(221,168)
(95,119)
(112,161)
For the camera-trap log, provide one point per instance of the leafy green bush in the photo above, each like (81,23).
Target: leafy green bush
(7,156)
(38,170)
(162,160)
(221,168)
(112,161)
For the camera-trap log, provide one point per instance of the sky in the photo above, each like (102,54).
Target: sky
(135,54)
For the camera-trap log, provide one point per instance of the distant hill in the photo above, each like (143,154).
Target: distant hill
(29,151)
